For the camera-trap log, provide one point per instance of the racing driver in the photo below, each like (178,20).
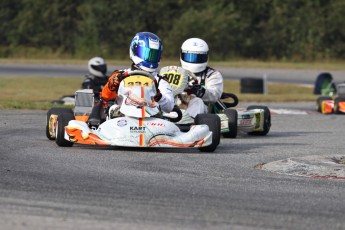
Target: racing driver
(194,58)
(145,52)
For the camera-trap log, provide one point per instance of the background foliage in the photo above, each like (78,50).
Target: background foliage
(262,29)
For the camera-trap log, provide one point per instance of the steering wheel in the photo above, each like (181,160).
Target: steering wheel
(140,72)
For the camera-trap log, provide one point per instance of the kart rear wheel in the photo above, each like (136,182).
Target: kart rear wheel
(267,120)
(336,105)
(213,122)
(62,121)
(54,111)
(319,102)
(232,122)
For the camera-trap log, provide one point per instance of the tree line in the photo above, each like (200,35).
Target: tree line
(261,29)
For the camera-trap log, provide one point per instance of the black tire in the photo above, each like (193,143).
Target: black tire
(319,102)
(322,82)
(213,122)
(232,122)
(267,120)
(55,111)
(252,85)
(62,121)
(336,105)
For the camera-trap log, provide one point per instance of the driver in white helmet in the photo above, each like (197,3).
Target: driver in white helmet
(96,78)
(194,58)
(145,52)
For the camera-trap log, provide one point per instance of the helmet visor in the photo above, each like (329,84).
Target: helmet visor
(100,68)
(194,57)
(147,54)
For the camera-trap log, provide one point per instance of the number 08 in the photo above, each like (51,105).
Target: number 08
(173,78)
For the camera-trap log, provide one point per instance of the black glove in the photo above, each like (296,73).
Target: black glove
(197,90)
(158,96)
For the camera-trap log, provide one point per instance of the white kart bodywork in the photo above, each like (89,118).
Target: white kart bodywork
(131,132)
(138,127)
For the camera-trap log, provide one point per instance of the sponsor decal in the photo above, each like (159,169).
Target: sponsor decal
(121,123)
(137,129)
(246,122)
(155,124)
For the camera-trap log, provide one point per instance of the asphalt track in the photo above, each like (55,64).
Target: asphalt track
(273,75)
(43,186)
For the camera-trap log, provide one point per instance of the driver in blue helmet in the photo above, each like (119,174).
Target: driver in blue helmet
(145,52)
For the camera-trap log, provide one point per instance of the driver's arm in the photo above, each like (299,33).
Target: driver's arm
(166,102)
(214,87)
(109,91)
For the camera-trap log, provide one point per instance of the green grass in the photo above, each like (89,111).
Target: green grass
(38,92)
(35,92)
(324,65)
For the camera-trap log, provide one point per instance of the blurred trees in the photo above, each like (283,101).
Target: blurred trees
(262,29)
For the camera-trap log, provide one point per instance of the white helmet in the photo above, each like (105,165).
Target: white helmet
(97,66)
(194,55)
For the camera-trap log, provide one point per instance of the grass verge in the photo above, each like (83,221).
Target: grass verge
(37,92)
(317,65)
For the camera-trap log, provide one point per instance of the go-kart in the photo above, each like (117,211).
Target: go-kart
(332,99)
(137,122)
(254,120)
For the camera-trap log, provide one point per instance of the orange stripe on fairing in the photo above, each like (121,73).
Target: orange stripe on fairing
(141,135)
(141,123)
(141,139)
(158,141)
(143,112)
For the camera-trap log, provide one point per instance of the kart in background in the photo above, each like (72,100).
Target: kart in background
(138,122)
(332,99)
(254,120)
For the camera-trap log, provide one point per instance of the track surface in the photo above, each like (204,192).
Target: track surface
(43,186)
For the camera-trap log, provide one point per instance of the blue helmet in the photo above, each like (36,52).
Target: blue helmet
(146,50)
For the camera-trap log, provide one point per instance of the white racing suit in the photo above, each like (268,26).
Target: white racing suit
(212,81)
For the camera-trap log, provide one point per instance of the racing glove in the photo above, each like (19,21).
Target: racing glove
(197,90)
(115,79)
(158,96)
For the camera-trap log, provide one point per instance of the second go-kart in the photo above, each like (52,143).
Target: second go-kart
(254,120)
(137,124)
(332,99)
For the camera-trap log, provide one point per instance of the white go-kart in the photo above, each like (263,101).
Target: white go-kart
(136,121)
(253,120)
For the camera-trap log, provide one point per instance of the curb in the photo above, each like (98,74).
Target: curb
(327,167)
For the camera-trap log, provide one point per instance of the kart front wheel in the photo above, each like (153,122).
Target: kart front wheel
(232,123)
(62,122)
(213,123)
(50,121)
(266,122)
(319,102)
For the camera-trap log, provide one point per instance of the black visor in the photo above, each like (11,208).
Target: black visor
(100,68)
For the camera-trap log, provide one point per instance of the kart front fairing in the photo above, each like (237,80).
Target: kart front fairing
(134,132)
